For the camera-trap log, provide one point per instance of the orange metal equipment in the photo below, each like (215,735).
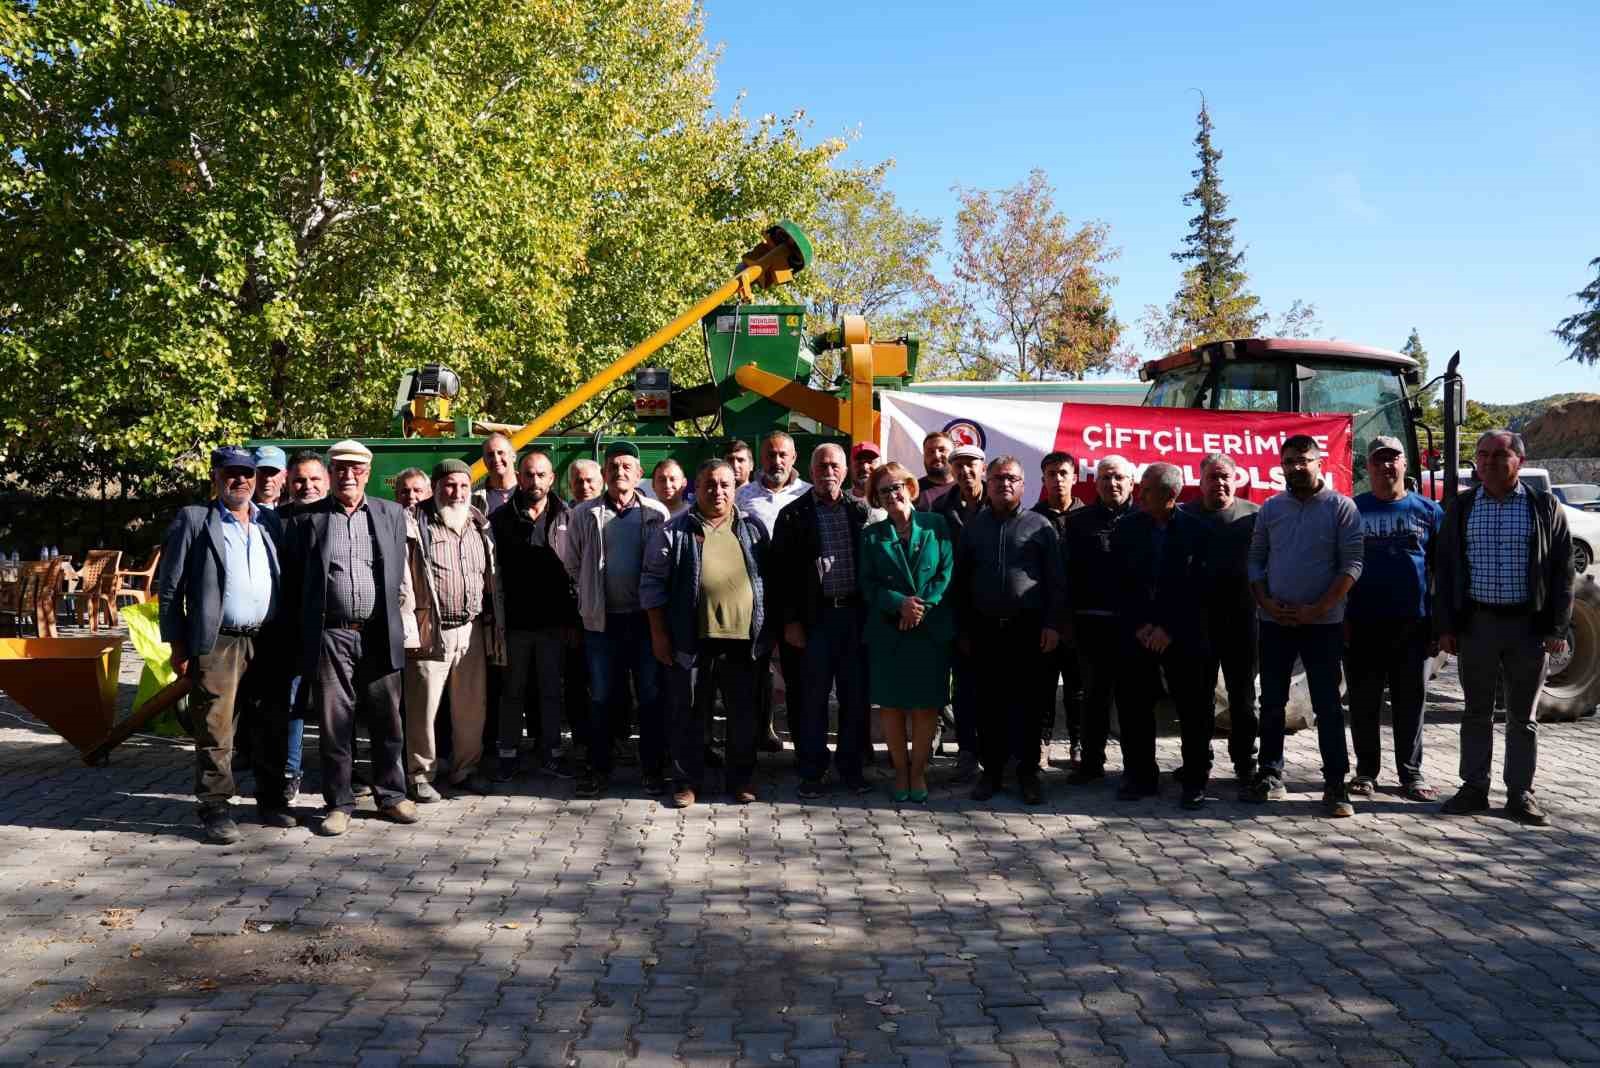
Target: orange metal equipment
(71,684)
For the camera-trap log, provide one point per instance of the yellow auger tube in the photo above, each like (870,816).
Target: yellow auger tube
(783,251)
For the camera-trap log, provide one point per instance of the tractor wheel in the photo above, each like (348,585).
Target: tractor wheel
(1572,685)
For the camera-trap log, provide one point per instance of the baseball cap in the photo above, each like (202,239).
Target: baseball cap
(1384,443)
(232,456)
(450,467)
(271,456)
(865,448)
(350,450)
(968,452)
(622,448)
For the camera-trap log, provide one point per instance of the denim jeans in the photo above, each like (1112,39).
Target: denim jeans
(1319,647)
(621,650)
(297,731)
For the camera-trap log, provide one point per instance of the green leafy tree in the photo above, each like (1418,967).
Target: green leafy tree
(1030,297)
(1581,331)
(249,218)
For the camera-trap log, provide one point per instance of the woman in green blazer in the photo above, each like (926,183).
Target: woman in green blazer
(906,562)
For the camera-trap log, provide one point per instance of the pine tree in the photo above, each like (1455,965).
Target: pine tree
(1581,332)
(1213,303)
(1430,397)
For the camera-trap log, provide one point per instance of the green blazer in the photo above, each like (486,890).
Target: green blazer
(887,577)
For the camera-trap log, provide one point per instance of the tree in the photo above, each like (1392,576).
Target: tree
(226,220)
(1030,298)
(1581,331)
(1429,397)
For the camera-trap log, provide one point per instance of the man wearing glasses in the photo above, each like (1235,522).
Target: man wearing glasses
(1010,605)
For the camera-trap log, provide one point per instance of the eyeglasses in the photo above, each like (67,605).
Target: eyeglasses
(892,492)
(1008,479)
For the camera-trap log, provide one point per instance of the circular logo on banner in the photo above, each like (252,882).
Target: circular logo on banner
(965,432)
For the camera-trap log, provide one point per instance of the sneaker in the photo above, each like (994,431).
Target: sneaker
(1418,791)
(1085,773)
(683,797)
(219,826)
(334,823)
(404,811)
(1525,809)
(986,788)
(592,785)
(279,817)
(506,767)
(1268,788)
(1032,792)
(810,789)
(1468,800)
(654,784)
(423,793)
(1336,803)
(1363,786)
(1193,800)
(966,768)
(556,766)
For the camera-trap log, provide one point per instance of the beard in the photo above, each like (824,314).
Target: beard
(533,494)
(455,516)
(939,471)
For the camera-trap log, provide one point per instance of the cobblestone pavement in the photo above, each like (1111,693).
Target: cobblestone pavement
(532,928)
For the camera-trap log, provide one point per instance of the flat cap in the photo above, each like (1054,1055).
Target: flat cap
(968,452)
(350,450)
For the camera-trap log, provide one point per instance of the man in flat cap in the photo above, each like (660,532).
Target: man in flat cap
(604,554)
(219,586)
(460,630)
(959,506)
(347,584)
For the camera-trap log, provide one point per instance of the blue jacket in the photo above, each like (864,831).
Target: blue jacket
(1167,591)
(191,577)
(671,579)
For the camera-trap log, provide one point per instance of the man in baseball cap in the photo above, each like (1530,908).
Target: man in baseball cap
(271,471)
(865,458)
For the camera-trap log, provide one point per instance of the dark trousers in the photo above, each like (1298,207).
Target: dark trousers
(532,676)
(1139,684)
(1233,636)
(1008,665)
(1063,665)
(834,660)
(355,683)
(964,702)
(617,655)
(237,687)
(792,662)
(1392,653)
(728,663)
(1099,649)
(576,698)
(1495,648)
(1320,648)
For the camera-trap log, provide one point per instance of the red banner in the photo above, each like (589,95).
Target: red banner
(1183,436)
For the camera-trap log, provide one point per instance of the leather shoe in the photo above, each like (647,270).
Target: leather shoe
(1085,773)
(1468,799)
(334,823)
(423,793)
(985,789)
(219,825)
(744,796)
(1133,791)
(1525,809)
(1032,792)
(683,797)
(770,744)
(279,817)
(400,812)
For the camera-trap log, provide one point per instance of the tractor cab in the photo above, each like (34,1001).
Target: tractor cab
(1376,386)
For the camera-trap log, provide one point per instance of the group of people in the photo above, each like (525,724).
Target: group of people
(295,594)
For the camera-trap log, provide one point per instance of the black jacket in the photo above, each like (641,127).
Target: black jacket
(796,594)
(955,514)
(1009,568)
(1550,570)
(305,579)
(538,590)
(1091,574)
(1163,590)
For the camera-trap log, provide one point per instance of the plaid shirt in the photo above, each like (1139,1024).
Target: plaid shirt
(1498,535)
(352,574)
(837,559)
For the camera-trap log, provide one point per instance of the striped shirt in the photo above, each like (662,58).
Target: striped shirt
(837,559)
(456,563)
(352,572)
(1499,533)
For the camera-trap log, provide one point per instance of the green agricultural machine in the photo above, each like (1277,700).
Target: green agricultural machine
(761,360)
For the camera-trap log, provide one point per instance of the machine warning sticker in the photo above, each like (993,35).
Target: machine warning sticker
(762,325)
(727,324)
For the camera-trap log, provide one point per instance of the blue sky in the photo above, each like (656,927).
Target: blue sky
(1429,165)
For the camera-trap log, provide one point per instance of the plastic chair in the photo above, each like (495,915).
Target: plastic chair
(138,586)
(97,588)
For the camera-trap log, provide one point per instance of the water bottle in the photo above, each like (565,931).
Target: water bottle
(44,553)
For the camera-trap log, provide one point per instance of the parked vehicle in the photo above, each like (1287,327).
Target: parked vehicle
(1584,495)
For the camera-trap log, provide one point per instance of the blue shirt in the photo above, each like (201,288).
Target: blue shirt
(1300,547)
(1499,533)
(1397,549)
(249,596)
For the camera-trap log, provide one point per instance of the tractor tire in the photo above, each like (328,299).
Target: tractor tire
(1572,683)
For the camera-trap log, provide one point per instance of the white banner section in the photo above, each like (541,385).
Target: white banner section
(1024,429)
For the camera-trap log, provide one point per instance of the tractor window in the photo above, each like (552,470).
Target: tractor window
(1249,387)
(1178,389)
(1375,397)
